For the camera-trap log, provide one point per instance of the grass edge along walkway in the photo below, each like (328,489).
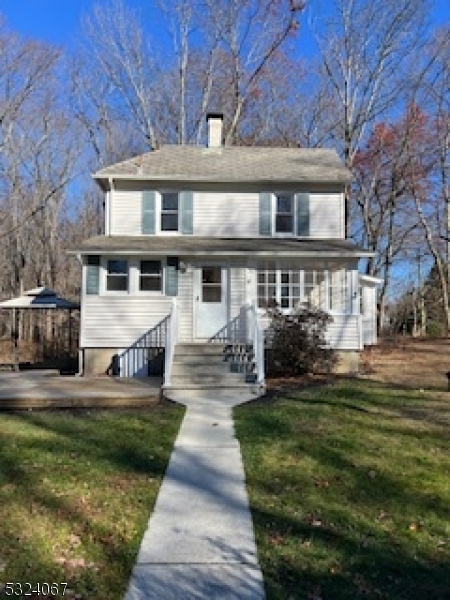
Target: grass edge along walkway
(76,492)
(349,491)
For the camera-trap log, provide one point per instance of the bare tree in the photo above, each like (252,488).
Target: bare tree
(24,66)
(39,157)
(365,46)
(222,51)
(120,51)
(252,33)
(432,147)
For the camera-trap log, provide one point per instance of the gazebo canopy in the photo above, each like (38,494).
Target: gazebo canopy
(41,297)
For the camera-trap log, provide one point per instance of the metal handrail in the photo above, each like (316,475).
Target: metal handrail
(137,353)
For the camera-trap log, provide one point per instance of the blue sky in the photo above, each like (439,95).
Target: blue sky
(57,21)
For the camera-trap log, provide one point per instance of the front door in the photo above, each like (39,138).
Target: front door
(210,299)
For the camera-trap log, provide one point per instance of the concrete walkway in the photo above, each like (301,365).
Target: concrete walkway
(199,543)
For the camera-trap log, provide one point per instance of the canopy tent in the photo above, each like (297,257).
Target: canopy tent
(38,298)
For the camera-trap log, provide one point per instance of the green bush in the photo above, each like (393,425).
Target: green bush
(297,343)
(435,329)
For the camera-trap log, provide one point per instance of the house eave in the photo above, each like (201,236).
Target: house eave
(222,253)
(105,182)
(197,246)
(370,280)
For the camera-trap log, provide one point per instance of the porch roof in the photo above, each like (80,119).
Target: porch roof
(201,246)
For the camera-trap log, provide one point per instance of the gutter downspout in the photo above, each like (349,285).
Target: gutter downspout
(108,202)
(80,351)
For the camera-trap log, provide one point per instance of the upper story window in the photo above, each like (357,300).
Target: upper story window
(284,216)
(117,275)
(169,211)
(150,276)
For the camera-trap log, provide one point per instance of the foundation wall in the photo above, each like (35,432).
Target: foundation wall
(347,362)
(98,361)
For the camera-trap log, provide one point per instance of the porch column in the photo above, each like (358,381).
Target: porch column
(354,292)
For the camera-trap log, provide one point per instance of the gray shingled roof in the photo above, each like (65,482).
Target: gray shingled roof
(231,164)
(202,246)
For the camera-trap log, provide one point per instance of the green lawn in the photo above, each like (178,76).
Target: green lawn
(76,492)
(350,492)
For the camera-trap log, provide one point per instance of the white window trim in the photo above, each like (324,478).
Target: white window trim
(281,234)
(280,267)
(134,273)
(104,277)
(158,212)
(137,277)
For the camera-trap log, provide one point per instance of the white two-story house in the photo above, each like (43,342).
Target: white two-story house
(200,240)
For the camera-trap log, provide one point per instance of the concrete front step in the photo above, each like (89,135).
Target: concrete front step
(199,349)
(252,388)
(217,380)
(210,367)
(199,370)
(195,359)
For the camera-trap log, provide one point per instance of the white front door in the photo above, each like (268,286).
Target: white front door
(210,300)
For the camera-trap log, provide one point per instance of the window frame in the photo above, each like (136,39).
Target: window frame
(292,213)
(138,270)
(107,274)
(160,212)
(211,286)
(322,280)
(339,290)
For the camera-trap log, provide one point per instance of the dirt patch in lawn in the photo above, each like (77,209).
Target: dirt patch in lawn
(409,363)
(419,364)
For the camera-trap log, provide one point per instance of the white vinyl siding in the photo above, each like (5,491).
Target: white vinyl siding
(326,216)
(119,321)
(344,333)
(226,215)
(229,214)
(125,213)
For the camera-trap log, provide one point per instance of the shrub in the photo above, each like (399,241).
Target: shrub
(297,343)
(435,329)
